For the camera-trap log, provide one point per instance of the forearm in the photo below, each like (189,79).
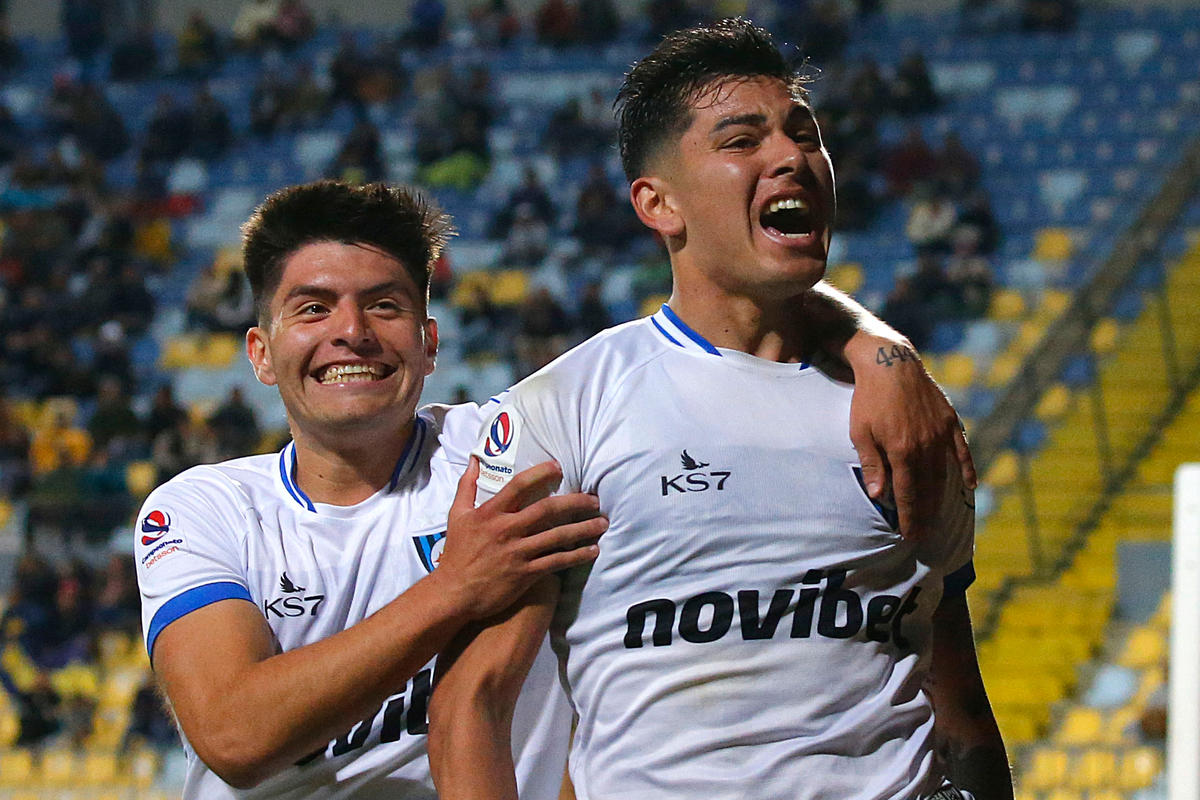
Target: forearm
(479,679)
(981,770)
(841,327)
(272,712)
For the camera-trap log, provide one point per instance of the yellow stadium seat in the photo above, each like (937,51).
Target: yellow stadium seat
(509,287)
(1054,302)
(1094,769)
(100,768)
(180,352)
(1104,336)
(1145,647)
(16,767)
(1054,403)
(221,350)
(140,478)
(26,796)
(1028,336)
(1047,769)
(76,680)
(58,767)
(1105,794)
(1063,793)
(152,239)
(652,304)
(468,288)
(1139,767)
(1007,305)
(1003,370)
(1003,470)
(958,371)
(10,727)
(848,277)
(1081,726)
(1052,244)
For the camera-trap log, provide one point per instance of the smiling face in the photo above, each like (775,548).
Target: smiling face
(348,343)
(746,197)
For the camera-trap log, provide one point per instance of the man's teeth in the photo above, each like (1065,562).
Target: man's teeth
(350,373)
(786,205)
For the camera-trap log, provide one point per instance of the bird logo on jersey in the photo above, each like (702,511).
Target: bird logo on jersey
(500,436)
(429,549)
(154,526)
(285,583)
(690,463)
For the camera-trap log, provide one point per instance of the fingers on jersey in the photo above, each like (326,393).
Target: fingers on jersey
(918,485)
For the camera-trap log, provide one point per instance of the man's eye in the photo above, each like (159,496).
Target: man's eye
(312,308)
(387,305)
(741,142)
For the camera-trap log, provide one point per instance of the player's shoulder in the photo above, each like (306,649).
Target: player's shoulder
(595,365)
(230,485)
(455,429)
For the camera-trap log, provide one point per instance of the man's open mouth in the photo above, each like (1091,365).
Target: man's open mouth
(790,216)
(353,373)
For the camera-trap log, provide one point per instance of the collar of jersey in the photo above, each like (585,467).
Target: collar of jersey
(677,332)
(408,459)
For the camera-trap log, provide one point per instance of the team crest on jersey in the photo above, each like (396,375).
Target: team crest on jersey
(429,549)
(155,525)
(497,453)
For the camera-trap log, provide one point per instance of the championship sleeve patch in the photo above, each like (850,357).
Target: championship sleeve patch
(156,540)
(497,451)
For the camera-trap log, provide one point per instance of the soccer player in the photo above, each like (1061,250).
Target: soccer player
(754,626)
(290,601)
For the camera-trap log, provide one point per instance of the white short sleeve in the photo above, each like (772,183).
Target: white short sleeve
(189,549)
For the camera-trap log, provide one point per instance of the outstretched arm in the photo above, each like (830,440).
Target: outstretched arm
(479,677)
(900,421)
(969,742)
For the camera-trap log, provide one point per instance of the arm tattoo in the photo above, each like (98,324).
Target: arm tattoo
(890,355)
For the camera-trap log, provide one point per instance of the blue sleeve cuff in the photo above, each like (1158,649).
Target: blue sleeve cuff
(958,581)
(191,600)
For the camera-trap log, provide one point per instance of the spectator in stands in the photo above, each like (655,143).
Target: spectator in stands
(11,138)
(592,316)
(235,426)
(305,103)
(98,127)
(1052,16)
(857,205)
(530,193)
(211,131)
(168,133)
(599,22)
(114,426)
(165,413)
(83,24)
(601,223)
(293,24)
(912,89)
(556,24)
(198,49)
(494,24)
(267,104)
(254,25)
(110,357)
(384,77)
(567,134)
(57,442)
(103,493)
(958,169)
(938,295)
(544,332)
(905,312)
(14,453)
(11,57)
(528,239)
(360,159)
(188,443)
(132,304)
(149,721)
(667,16)
(118,605)
(135,58)
(595,108)
(482,324)
(427,24)
(824,32)
(976,215)
(971,273)
(931,222)
(909,163)
(345,71)
(868,91)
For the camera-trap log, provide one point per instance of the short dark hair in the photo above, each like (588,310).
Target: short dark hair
(654,104)
(397,220)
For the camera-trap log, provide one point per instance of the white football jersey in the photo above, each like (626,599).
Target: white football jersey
(754,627)
(244,529)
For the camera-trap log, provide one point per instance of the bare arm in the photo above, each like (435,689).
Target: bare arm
(900,421)
(969,742)
(478,681)
(250,712)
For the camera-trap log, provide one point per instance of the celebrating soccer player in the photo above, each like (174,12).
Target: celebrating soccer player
(755,626)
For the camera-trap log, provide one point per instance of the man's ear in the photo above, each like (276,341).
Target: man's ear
(655,206)
(260,355)
(431,345)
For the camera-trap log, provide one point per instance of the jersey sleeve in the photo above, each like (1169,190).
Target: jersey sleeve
(188,551)
(523,427)
(958,540)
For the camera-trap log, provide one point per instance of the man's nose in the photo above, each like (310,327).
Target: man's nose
(351,327)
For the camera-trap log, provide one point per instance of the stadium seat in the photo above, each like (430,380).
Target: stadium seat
(1047,769)
(1094,769)
(16,767)
(1139,767)
(58,767)
(1145,647)
(1104,336)
(1003,370)
(1054,403)
(143,768)
(140,478)
(1007,305)
(100,768)
(847,276)
(1052,244)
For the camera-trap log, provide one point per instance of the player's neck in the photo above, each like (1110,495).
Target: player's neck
(771,331)
(343,471)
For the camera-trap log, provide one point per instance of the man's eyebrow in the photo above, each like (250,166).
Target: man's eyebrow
(754,120)
(323,293)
